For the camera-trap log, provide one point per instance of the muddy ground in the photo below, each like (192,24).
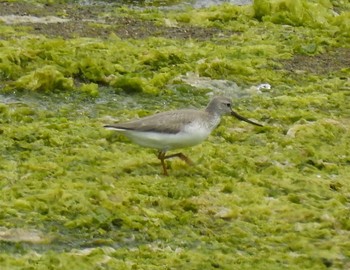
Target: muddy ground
(89,21)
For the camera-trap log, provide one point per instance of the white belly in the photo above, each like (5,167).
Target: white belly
(164,141)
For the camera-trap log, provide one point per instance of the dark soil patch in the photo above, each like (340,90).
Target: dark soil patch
(96,21)
(123,28)
(320,64)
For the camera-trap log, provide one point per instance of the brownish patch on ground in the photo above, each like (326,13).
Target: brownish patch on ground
(97,21)
(320,64)
(123,28)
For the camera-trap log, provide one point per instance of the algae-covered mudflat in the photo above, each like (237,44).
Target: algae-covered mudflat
(77,196)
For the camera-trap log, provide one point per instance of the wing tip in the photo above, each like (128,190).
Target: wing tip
(115,128)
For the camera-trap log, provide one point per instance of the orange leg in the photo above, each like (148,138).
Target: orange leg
(162,157)
(180,156)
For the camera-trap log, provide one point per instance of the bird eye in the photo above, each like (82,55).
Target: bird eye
(228,104)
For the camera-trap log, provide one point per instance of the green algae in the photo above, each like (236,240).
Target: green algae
(43,79)
(115,61)
(294,12)
(257,198)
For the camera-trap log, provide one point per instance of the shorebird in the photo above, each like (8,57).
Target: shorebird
(177,129)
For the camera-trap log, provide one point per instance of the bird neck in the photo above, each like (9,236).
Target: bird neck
(213,118)
(210,109)
(212,112)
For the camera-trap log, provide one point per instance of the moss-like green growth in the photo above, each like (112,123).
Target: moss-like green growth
(299,12)
(128,84)
(45,79)
(74,195)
